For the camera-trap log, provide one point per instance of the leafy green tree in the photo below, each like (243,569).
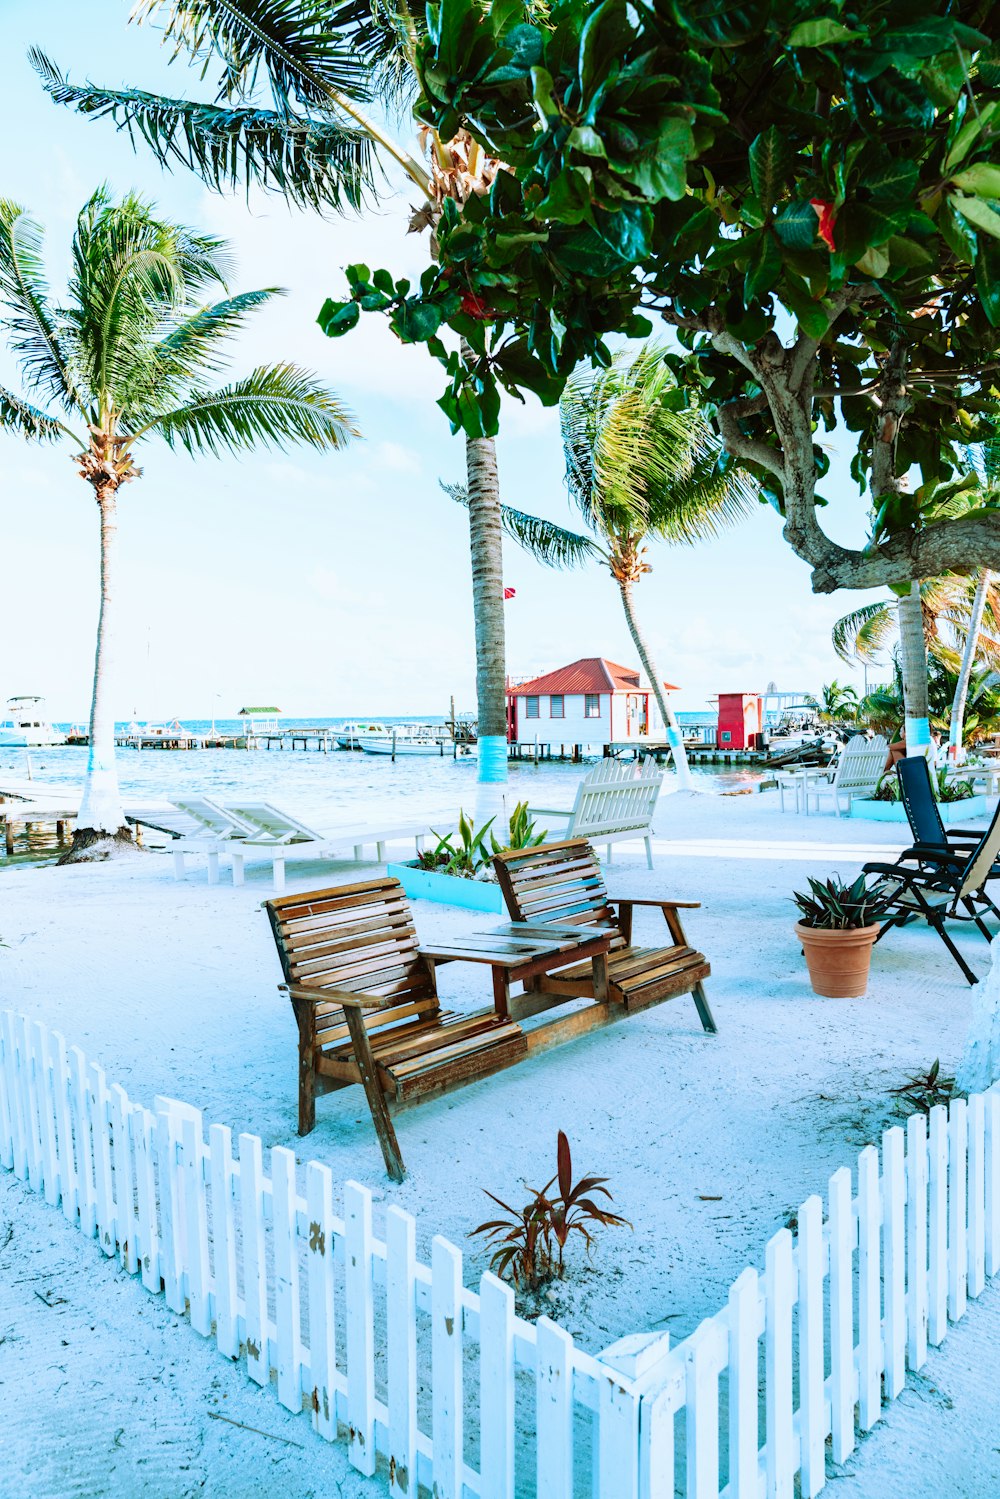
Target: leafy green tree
(808,200)
(130,355)
(641,464)
(333,71)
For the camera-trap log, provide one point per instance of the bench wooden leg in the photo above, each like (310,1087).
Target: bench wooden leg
(238,875)
(704,1009)
(649,850)
(675,925)
(213,866)
(501,993)
(305,1017)
(178,865)
(601,982)
(391,1153)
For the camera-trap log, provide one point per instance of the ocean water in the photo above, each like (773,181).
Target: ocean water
(334,791)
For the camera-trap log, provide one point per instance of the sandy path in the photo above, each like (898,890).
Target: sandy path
(710,1143)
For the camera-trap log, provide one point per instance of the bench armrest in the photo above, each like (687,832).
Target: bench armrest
(663,905)
(550,812)
(338,997)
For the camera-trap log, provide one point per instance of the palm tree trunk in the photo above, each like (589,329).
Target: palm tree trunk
(955,751)
(101,818)
(913,660)
(486,545)
(685,780)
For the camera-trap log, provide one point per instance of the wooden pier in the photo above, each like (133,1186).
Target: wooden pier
(623,748)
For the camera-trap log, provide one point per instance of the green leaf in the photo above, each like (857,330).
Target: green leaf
(813,317)
(628,230)
(874,262)
(660,171)
(977,213)
(336,318)
(897,180)
(796,226)
(821,33)
(586,139)
(981,179)
(546,104)
(988,279)
(770,158)
(417,321)
(764,268)
(957,235)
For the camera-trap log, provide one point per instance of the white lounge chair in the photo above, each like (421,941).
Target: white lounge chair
(615,800)
(858,772)
(274,833)
(198,825)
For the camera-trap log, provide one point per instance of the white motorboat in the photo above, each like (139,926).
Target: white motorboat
(406,741)
(27,726)
(350,734)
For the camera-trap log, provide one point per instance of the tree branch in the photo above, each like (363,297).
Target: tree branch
(742,446)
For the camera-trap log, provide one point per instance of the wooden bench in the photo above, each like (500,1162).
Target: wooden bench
(562,882)
(368,1008)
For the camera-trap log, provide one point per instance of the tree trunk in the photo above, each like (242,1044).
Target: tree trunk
(913,660)
(101,824)
(486,545)
(955,750)
(685,780)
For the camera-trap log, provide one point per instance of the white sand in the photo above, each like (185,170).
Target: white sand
(172,988)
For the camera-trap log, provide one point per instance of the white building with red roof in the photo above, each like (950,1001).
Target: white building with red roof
(591,701)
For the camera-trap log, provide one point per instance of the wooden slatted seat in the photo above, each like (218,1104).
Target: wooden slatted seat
(562,882)
(367,1009)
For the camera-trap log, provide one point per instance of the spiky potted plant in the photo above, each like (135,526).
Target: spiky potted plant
(838,929)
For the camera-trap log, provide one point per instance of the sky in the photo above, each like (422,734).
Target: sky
(333,583)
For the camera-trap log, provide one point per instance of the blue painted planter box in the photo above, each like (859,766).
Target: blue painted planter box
(448,889)
(953,814)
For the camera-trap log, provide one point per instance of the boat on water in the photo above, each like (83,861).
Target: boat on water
(350,734)
(26,725)
(408,740)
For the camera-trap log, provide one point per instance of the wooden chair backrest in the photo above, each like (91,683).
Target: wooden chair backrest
(358,938)
(984,856)
(556,882)
(615,797)
(861,763)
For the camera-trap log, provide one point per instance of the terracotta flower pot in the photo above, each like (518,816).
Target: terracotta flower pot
(838,961)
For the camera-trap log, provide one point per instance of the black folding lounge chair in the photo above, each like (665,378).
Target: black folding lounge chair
(920,805)
(934,882)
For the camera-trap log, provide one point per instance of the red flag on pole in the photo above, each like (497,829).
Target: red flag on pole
(508,593)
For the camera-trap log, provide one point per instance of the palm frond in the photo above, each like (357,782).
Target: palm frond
(276,405)
(31,322)
(18,415)
(294,46)
(192,347)
(554,545)
(313,162)
(863,633)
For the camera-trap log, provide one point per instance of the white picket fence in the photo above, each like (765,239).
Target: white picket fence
(450,1385)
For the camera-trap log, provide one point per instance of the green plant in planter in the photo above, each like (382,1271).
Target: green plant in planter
(950,791)
(834,906)
(888,788)
(470,856)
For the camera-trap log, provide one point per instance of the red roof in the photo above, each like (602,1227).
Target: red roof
(590,674)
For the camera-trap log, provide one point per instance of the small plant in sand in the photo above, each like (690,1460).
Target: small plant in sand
(924,1090)
(529,1245)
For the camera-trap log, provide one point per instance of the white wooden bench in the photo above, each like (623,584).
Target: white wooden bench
(858,772)
(614,801)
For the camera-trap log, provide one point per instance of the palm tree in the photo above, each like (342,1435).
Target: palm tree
(640,465)
(837,701)
(331,70)
(127,358)
(960,624)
